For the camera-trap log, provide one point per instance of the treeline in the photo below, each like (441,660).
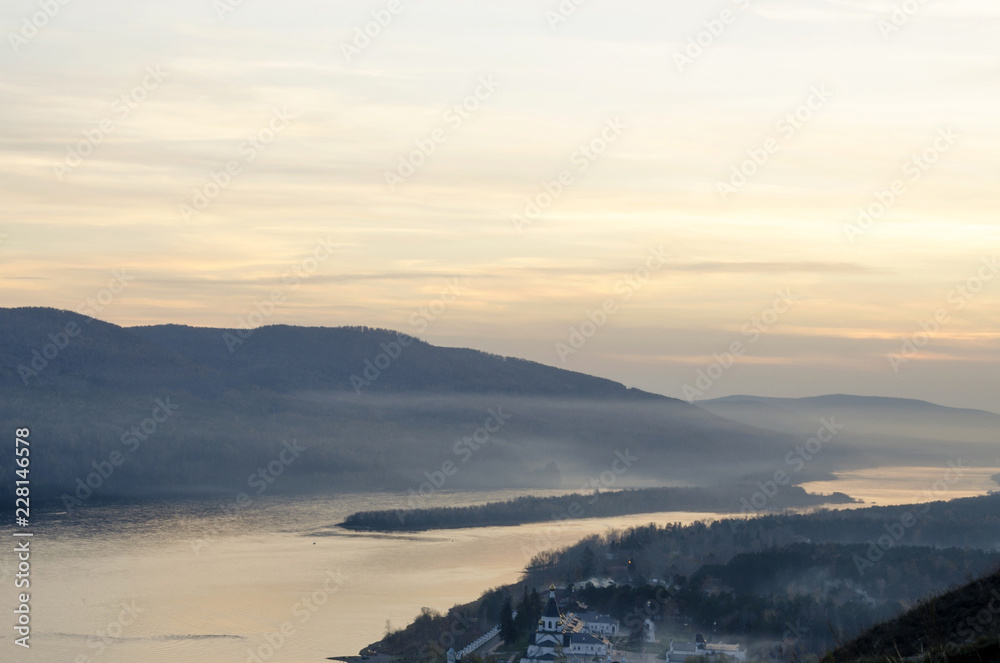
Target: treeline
(839,572)
(432,634)
(791,601)
(776,624)
(657,551)
(516,624)
(530,509)
(815,588)
(747,618)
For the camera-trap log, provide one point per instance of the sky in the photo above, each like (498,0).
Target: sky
(782,198)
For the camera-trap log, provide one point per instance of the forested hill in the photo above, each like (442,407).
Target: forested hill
(285,358)
(788,587)
(377,410)
(903,419)
(84,386)
(279,358)
(959,626)
(45,349)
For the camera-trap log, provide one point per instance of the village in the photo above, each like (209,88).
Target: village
(588,636)
(567,632)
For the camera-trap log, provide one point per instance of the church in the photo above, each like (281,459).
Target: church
(563,638)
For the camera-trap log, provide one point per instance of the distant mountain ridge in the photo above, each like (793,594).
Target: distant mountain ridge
(378,410)
(850,400)
(279,358)
(36,350)
(285,358)
(873,420)
(237,402)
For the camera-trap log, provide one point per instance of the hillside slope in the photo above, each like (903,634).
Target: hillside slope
(235,410)
(285,358)
(47,348)
(899,430)
(890,416)
(960,625)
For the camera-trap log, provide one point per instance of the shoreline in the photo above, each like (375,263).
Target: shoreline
(536,509)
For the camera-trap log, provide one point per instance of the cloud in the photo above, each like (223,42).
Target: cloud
(823,11)
(774,267)
(324,176)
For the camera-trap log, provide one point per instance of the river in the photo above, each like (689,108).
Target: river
(184,580)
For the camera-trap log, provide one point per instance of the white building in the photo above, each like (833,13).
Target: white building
(546,644)
(586,645)
(680,651)
(563,638)
(648,631)
(598,624)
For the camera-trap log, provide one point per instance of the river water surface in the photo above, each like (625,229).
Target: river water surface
(184,581)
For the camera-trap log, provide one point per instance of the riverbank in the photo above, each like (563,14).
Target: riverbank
(747,499)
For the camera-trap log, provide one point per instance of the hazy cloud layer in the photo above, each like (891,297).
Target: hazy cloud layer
(888,94)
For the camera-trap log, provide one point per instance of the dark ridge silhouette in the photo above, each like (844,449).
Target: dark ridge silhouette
(284,358)
(89,391)
(280,358)
(100,355)
(242,393)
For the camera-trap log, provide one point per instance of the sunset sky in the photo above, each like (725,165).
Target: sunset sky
(118,115)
